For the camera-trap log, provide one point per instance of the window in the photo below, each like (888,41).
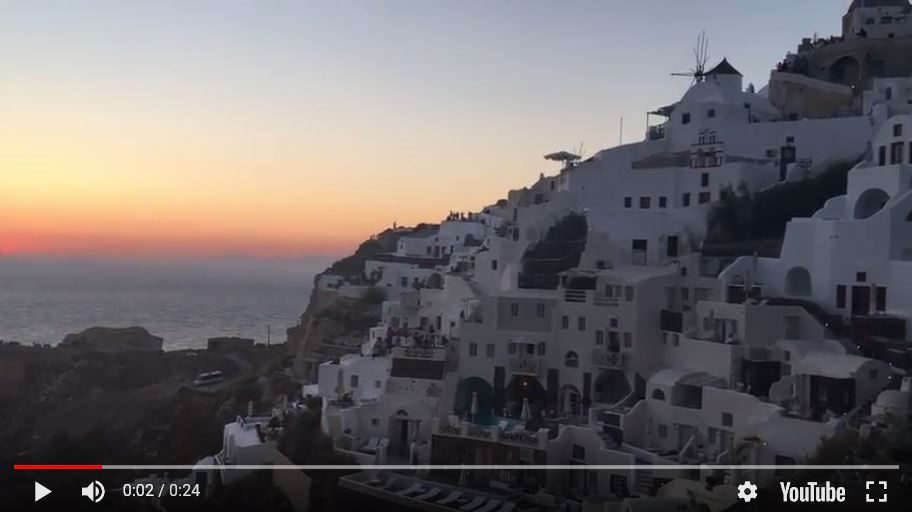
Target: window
(685,294)
(888,95)
(579,452)
(663,431)
(403,282)
(377,384)
(675,339)
(581,323)
(511,348)
(541,349)
(617,484)
(882,155)
(540,310)
(628,293)
(685,118)
(514,309)
(613,322)
(897,130)
(727,419)
(628,202)
(861,276)
(840,296)
(375,422)
(685,199)
(786,355)
(473,349)
(896,153)
(872,373)
(705,197)
(644,203)
(353,381)
(599,337)
(628,340)
(571,360)
(489,351)
(683,271)
(663,202)
(711,113)
(704,179)
(658,394)
(886,20)
(565,322)
(671,246)
(600,265)
(493,264)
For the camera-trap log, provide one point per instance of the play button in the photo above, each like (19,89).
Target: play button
(41,491)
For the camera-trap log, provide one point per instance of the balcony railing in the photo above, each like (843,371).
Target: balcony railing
(526,366)
(601,300)
(575,295)
(537,439)
(605,359)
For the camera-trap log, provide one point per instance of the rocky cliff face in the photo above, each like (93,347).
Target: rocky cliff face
(113,339)
(333,325)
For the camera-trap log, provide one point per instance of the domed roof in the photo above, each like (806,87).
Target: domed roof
(878,3)
(893,398)
(724,68)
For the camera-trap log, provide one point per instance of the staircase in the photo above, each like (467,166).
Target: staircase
(475,287)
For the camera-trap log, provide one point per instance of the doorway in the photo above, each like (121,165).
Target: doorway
(861,300)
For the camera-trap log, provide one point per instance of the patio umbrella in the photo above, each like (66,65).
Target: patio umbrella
(474,409)
(526,413)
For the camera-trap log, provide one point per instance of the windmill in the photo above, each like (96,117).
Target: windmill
(701,53)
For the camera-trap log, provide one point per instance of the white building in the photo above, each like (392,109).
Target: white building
(830,258)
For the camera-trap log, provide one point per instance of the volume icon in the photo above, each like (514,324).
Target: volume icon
(94,491)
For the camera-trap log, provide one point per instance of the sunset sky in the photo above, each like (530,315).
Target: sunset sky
(287,128)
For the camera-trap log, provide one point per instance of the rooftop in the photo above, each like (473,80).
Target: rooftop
(723,68)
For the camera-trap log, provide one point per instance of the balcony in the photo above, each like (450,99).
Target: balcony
(611,360)
(603,300)
(505,434)
(656,132)
(528,365)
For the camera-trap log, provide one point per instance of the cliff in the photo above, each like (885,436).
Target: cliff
(334,324)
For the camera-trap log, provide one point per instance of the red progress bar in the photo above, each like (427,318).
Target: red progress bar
(57,467)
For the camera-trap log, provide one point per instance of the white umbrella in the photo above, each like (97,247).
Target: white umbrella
(474,409)
(526,412)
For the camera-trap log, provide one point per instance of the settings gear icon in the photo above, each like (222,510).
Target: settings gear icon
(747,491)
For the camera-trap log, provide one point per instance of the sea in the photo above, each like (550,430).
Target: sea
(185,302)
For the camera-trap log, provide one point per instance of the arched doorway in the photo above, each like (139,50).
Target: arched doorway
(846,71)
(484,395)
(610,387)
(524,387)
(798,282)
(571,401)
(870,202)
